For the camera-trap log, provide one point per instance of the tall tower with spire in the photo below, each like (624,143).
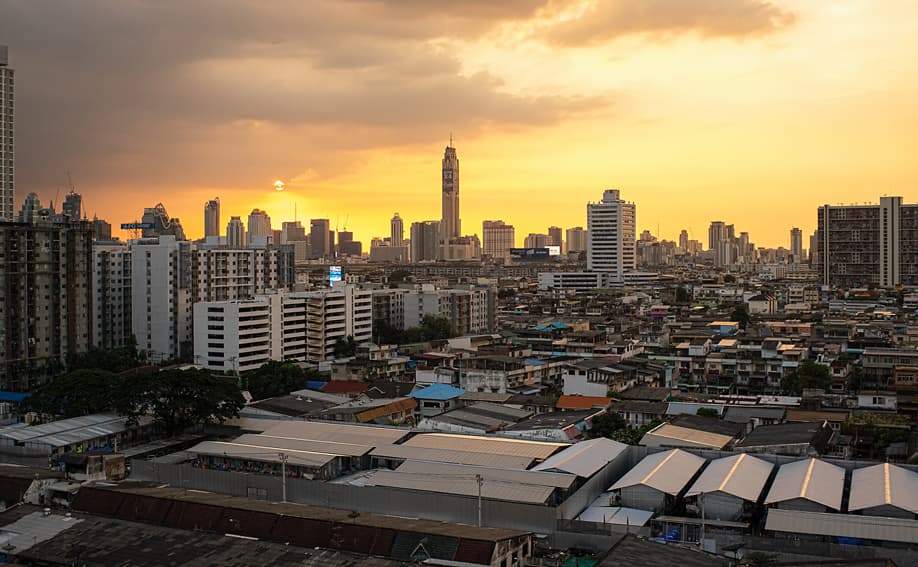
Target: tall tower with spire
(450,226)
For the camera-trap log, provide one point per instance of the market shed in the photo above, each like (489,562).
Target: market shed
(657,480)
(730,486)
(884,490)
(810,485)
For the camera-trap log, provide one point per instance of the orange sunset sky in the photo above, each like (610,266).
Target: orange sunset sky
(749,111)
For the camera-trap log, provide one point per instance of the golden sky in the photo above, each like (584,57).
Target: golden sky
(753,112)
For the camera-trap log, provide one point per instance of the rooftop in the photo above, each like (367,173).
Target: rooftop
(631,551)
(810,479)
(584,459)
(437,392)
(582,402)
(668,471)
(812,432)
(884,485)
(743,476)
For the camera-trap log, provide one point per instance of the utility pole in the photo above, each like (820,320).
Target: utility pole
(283,459)
(480,480)
(701,539)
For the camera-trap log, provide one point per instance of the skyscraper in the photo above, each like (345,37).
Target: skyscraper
(235,233)
(611,240)
(861,245)
(212,217)
(535,240)
(292,231)
(450,224)
(683,240)
(7,145)
(576,239)
(73,206)
(425,240)
(397,231)
(498,238)
(320,238)
(796,245)
(259,225)
(554,236)
(163,224)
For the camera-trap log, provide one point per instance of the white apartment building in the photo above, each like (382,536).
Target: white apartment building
(470,310)
(235,273)
(111,305)
(161,292)
(7,145)
(611,232)
(241,335)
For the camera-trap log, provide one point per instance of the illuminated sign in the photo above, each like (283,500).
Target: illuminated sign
(334,274)
(529,252)
(136,225)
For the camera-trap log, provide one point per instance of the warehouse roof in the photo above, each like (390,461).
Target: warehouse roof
(676,435)
(584,459)
(743,476)
(842,525)
(884,485)
(464,486)
(744,414)
(667,472)
(480,444)
(483,415)
(811,479)
(330,447)
(451,456)
(812,432)
(261,453)
(68,431)
(336,432)
(452,470)
(616,515)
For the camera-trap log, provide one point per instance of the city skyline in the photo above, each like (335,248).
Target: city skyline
(550,104)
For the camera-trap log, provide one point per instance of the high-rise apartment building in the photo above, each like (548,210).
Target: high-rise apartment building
(163,224)
(212,217)
(258,228)
(320,238)
(470,309)
(611,238)
(535,240)
(292,232)
(111,288)
(860,245)
(7,141)
(397,231)
(722,240)
(796,245)
(576,239)
(235,233)
(555,237)
(425,241)
(497,239)
(45,300)
(683,241)
(102,230)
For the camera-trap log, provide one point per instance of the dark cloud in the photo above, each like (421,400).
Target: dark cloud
(608,20)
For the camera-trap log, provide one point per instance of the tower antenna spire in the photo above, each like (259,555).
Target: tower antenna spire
(450,139)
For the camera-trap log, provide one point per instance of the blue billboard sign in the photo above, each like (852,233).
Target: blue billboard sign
(136,225)
(334,274)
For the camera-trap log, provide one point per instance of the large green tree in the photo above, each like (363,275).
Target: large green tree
(345,347)
(113,360)
(432,328)
(808,375)
(740,314)
(275,378)
(81,392)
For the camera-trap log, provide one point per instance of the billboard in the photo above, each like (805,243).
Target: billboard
(554,250)
(136,225)
(334,274)
(529,253)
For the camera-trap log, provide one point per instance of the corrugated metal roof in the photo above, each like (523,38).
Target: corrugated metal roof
(667,472)
(451,470)
(743,476)
(336,432)
(585,458)
(490,489)
(811,479)
(69,431)
(842,525)
(693,437)
(439,392)
(329,447)
(261,453)
(884,485)
(478,444)
(450,456)
(616,515)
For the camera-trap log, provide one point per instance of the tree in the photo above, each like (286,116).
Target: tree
(179,399)
(683,295)
(435,328)
(607,425)
(113,360)
(432,328)
(808,375)
(707,412)
(345,347)
(275,378)
(77,393)
(740,314)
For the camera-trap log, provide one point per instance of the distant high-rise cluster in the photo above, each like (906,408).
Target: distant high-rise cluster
(7,142)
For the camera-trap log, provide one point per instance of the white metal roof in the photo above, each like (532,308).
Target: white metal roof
(491,489)
(743,476)
(811,479)
(585,458)
(884,485)
(70,431)
(667,472)
(670,434)
(330,447)
(842,525)
(449,456)
(261,453)
(616,515)
(336,432)
(450,470)
(479,444)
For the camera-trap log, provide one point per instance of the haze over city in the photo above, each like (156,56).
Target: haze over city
(750,111)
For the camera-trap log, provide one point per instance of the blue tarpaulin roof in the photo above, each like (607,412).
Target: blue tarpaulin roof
(13,396)
(315,385)
(439,392)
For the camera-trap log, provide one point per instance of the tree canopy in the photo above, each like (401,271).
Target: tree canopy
(808,375)
(740,314)
(432,328)
(275,378)
(345,347)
